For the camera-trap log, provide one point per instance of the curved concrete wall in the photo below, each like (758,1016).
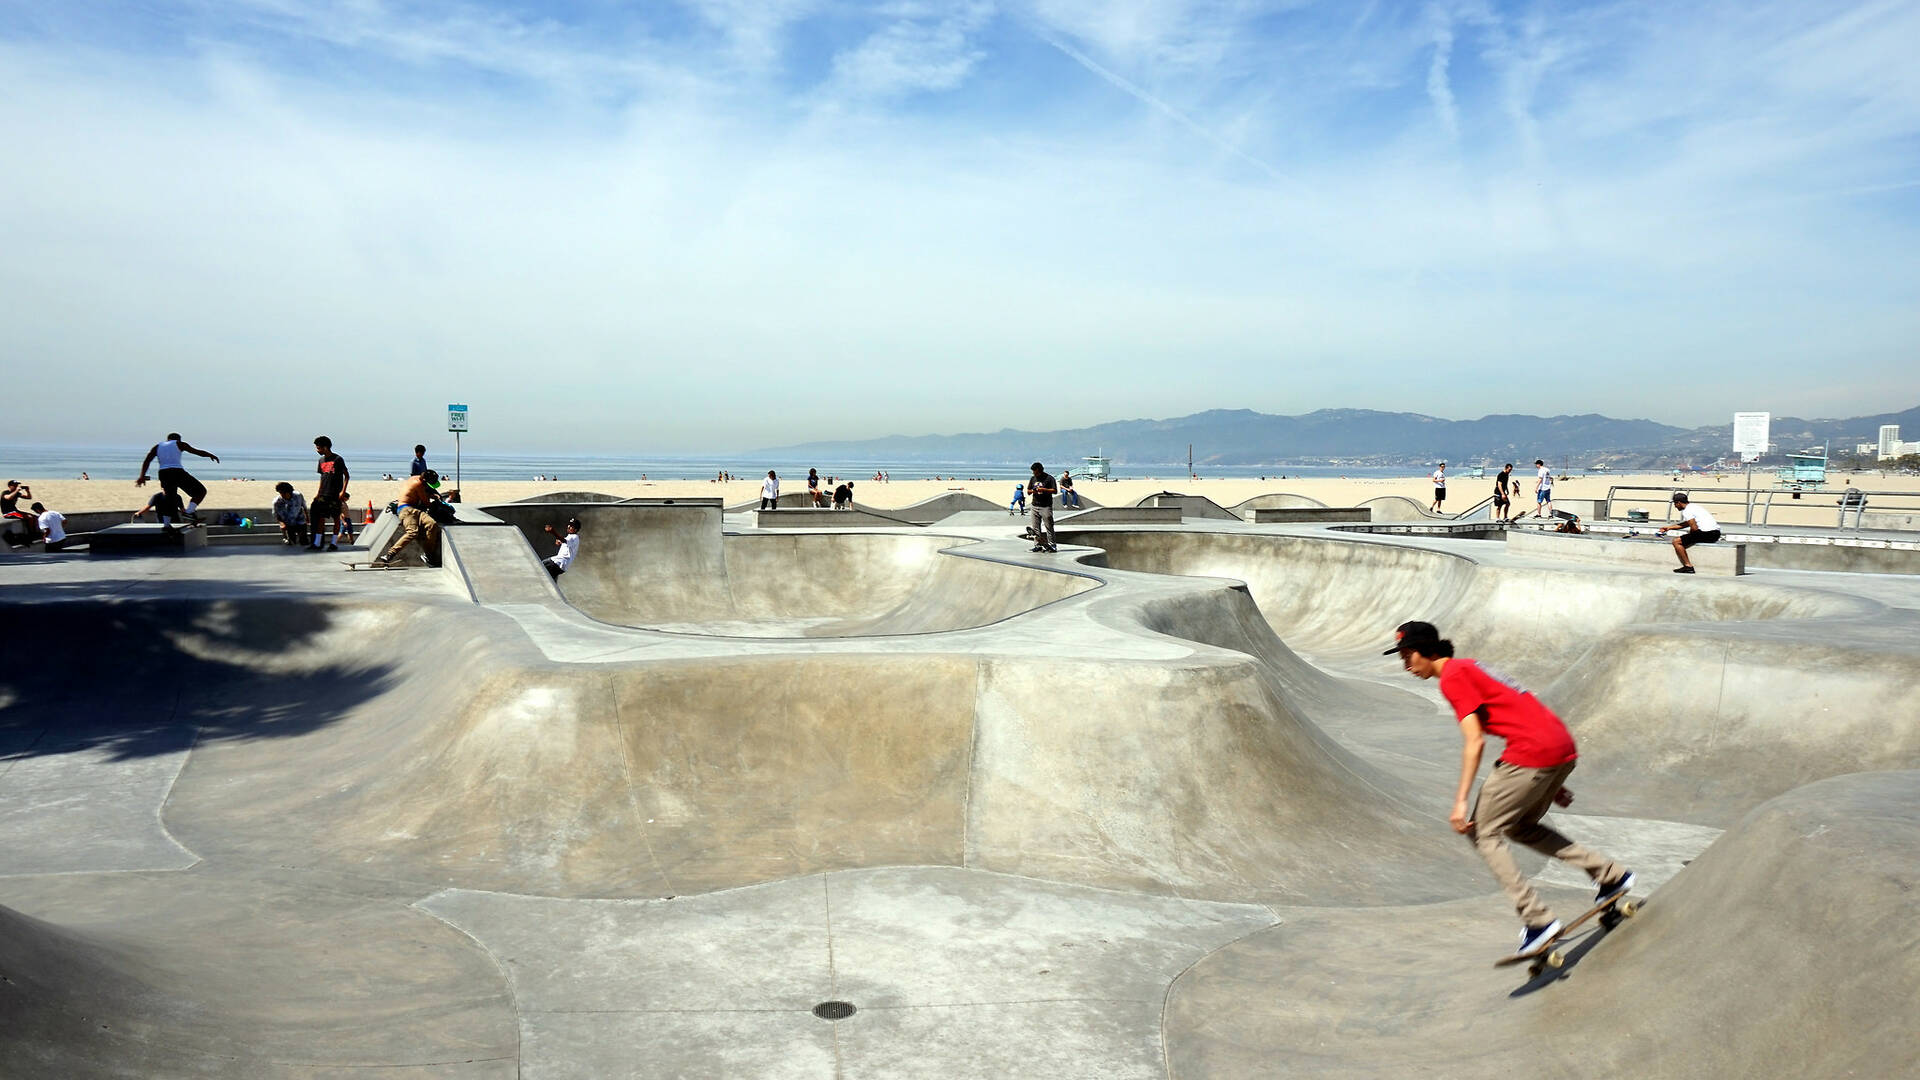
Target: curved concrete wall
(671,568)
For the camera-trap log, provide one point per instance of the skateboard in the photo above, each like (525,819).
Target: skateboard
(376,566)
(1547,956)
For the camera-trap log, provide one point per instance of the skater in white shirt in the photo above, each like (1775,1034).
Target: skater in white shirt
(1696,527)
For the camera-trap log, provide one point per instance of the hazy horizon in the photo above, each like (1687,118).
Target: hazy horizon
(718,224)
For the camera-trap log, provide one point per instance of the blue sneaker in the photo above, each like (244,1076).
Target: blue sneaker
(1610,893)
(1534,939)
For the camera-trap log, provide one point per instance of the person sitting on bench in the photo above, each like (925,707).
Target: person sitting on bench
(1697,527)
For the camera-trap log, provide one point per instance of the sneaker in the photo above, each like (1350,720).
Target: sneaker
(1036,547)
(1534,938)
(331,546)
(1615,891)
(1683,569)
(1051,550)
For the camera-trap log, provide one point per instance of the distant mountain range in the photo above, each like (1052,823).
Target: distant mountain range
(1241,437)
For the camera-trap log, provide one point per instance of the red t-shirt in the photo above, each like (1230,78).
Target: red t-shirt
(1536,739)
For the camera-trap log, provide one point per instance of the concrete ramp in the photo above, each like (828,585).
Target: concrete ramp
(1758,960)
(1193,506)
(1277,500)
(1398,508)
(671,568)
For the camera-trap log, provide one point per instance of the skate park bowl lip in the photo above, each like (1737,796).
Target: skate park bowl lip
(675,570)
(1799,682)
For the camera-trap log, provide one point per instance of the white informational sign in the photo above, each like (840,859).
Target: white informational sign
(457,417)
(1750,433)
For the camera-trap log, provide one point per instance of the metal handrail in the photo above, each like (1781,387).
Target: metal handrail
(1704,496)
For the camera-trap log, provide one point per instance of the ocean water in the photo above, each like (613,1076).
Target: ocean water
(122,462)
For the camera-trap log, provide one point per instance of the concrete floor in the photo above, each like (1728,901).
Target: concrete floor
(1151,807)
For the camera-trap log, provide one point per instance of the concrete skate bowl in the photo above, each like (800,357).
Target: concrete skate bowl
(671,568)
(1398,508)
(1694,699)
(1789,948)
(1276,501)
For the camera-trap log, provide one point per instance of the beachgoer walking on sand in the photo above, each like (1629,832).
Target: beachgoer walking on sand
(1042,489)
(53,526)
(770,492)
(557,563)
(419,460)
(173,477)
(1439,478)
(1542,489)
(417,524)
(1503,487)
(1697,527)
(329,503)
(1528,779)
(290,510)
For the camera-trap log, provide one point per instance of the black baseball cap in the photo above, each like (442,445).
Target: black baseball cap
(1410,634)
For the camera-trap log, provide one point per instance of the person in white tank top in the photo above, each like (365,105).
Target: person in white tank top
(174,478)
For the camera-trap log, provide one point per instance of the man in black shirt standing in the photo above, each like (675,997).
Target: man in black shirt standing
(1040,491)
(329,502)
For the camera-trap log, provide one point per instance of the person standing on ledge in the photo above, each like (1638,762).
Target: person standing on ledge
(1542,489)
(1698,527)
(1439,479)
(330,502)
(1040,492)
(1528,779)
(770,492)
(173,477)
(1503,487)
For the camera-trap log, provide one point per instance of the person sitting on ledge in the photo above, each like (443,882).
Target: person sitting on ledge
(1698,527)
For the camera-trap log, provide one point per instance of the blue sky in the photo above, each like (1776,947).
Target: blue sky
(725,223)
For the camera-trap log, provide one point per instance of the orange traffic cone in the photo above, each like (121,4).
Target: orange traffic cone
(369,520)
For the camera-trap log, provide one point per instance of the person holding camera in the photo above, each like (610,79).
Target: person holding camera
(569,541)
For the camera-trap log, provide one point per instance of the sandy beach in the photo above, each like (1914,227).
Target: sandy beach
(71,495)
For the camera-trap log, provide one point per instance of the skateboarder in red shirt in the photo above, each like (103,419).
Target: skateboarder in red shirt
(1524,784)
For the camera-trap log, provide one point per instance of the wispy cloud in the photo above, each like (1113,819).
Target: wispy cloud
(712,210)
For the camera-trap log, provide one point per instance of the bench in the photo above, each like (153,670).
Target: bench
(1724,559)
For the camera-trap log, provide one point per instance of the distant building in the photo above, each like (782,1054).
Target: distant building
(1889,440)
(1866,448)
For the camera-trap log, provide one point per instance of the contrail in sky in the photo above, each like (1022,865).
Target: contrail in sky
(1155,103)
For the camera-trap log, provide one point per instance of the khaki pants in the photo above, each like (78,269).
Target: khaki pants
(416,525)
(1043,525)
(1512,801)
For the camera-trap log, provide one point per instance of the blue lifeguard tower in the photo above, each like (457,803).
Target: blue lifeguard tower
(1100,468)
(1805,467)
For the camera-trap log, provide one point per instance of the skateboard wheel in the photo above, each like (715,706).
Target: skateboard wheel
(1556,959)
(1627,908)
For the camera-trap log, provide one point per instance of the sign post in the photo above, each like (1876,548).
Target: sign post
(1750,441)
(456,423)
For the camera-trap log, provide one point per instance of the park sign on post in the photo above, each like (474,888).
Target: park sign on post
(1750,433)
(457,418)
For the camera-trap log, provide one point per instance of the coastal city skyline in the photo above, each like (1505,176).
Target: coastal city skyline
(718,225)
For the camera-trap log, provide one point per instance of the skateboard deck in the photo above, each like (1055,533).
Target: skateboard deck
(1548,956)
(376,566)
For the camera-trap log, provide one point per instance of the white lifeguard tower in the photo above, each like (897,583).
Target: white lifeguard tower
(1100,468)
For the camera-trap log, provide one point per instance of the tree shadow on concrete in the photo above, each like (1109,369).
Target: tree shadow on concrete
(135,676)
